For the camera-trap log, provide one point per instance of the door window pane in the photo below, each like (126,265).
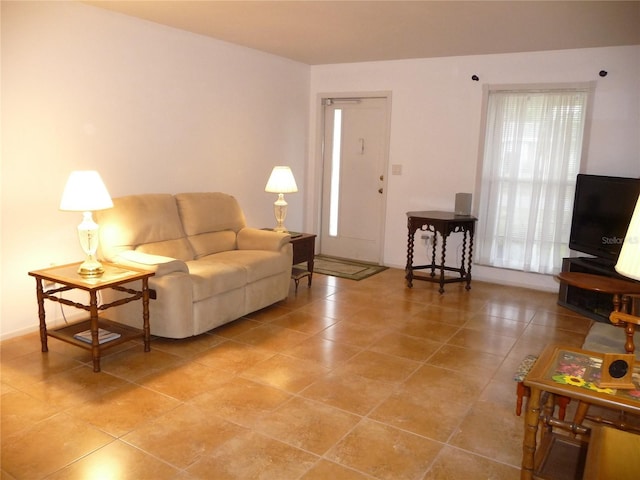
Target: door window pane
(334,203)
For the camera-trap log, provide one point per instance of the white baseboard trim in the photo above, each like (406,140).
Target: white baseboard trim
(55,323)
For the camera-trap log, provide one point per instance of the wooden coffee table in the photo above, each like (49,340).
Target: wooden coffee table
(554,366)
(67,278)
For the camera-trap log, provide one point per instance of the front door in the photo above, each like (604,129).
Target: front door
(355,164)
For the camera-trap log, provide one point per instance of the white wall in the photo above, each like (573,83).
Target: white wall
(153,109)
(435,126)
(160,110)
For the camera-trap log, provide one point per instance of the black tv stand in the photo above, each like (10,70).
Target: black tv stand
(595,305)
(600,264)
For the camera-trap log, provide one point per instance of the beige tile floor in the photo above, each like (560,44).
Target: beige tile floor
(345,380)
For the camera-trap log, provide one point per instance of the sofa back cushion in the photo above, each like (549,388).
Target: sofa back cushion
(213,242)
(148,223)
(211,221)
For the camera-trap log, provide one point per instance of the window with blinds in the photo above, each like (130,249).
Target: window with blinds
(532,153)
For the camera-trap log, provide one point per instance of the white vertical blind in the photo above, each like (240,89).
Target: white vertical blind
(533,147)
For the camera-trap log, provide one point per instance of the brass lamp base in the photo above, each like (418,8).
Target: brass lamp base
(90,268)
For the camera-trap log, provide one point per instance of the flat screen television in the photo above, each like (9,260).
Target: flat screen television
(602,210)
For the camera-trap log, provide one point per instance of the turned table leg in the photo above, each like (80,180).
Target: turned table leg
(409,267)
(531,421)
(146,328)
(42,315)
(95,344)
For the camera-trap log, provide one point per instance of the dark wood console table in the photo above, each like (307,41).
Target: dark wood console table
(304,245)
(443,223)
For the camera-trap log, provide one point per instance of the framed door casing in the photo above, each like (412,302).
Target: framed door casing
(355,161)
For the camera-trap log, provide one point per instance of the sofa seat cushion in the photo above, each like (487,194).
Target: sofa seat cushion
(211,278)
(157,264)
(257,264)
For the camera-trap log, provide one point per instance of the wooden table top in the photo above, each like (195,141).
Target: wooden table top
(113,275)
(556,364)
(440,215)
(599,283)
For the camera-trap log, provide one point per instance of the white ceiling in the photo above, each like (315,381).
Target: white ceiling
(322,32)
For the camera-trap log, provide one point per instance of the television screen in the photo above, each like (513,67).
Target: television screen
(602,210)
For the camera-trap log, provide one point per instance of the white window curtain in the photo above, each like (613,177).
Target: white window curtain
(532,152)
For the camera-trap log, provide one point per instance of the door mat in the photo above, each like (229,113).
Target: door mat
(343,268)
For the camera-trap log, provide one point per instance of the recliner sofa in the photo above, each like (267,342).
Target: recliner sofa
(210,268)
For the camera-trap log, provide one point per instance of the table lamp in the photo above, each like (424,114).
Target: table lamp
(85,192)
(281,181)
(629,265)
(629,259)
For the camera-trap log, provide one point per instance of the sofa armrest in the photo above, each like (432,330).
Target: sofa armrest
(152,263)
(256,239)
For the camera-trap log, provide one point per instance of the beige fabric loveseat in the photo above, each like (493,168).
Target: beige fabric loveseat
(210,268)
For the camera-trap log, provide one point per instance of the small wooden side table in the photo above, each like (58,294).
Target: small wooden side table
(569,372)
(304,247)
(614,286)
(443,223)
(114,277)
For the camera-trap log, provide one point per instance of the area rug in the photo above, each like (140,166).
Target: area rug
(339,267)
(603,337)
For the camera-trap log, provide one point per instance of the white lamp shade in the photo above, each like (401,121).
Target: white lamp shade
(281,181)
(85,192)
(629,258)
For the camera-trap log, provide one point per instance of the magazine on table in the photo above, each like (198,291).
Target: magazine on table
(103,336)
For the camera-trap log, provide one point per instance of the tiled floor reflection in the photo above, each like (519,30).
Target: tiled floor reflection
(345,380)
